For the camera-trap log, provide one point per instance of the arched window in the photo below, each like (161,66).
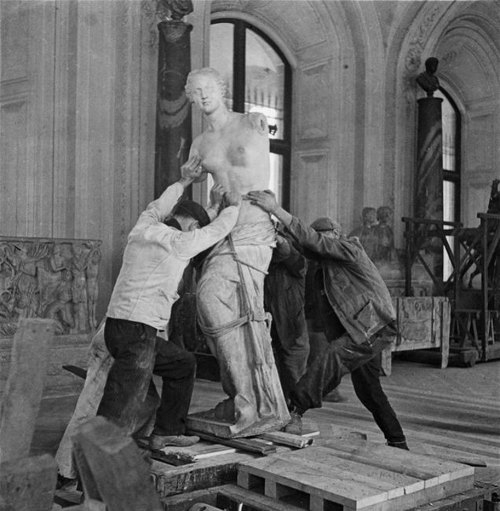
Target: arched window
(259,80)
(450,116)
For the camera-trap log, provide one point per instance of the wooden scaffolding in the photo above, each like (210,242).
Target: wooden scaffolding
(472,252)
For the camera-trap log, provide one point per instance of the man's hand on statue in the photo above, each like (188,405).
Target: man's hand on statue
(191,170)
(216,194)
(232,199)
(265,199)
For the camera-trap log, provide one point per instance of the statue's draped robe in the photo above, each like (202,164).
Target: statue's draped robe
(231,314)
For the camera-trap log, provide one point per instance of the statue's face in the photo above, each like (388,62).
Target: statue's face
(207,94)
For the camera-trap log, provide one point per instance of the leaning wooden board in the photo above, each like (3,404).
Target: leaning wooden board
(357,476)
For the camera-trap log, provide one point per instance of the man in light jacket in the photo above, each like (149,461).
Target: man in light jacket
(160,246)
(359,319)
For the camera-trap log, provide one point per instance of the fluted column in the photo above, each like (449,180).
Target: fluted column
(173,119)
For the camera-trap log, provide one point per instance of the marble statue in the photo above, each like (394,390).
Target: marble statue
(234,149)
(384,249)
(366,231)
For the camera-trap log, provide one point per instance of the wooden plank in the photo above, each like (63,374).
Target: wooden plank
(184,501)
(118,470)
(23,391)
(348,489)
(231,496)
(282,438)
(28,484)
(471,500)
(202,449)
(205,473)
(434,493)
(245,444)
(396,483)
(432,470)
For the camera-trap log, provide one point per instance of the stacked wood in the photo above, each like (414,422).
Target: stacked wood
(26,483)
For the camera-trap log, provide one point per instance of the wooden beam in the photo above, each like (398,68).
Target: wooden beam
(23,391)
(28,484)
(113,469)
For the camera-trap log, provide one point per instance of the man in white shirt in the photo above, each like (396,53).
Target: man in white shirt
(154,260)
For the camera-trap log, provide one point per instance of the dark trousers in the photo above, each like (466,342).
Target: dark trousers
(290,355)
(344,356)
(130,396)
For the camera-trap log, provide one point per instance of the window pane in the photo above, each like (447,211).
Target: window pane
(449,196)
(276,179)
(449,132)
(265,82)
(221,55)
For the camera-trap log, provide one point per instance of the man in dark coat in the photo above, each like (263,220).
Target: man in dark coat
(284,289)
(358,314)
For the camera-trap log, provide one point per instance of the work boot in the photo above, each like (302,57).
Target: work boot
(159,442)
(294,427)
(399,445)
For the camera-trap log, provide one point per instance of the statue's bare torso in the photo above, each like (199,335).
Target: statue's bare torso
(237,156)
(235,147)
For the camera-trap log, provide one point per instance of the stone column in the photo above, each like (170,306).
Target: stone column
(428,204)
(429,178)
(173,114)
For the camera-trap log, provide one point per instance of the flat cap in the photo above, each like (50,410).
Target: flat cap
(192,209)
(326,224)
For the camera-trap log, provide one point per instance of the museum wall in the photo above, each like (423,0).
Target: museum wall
(78,92)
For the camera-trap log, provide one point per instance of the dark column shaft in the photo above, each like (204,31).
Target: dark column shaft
(173,110)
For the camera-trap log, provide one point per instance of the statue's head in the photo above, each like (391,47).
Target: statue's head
(204,71)
(431,65)
(369,216)
(384,214)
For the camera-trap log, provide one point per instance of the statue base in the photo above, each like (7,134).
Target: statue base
(202,422)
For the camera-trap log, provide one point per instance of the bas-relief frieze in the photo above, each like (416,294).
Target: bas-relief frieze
(419,40)
(49,278)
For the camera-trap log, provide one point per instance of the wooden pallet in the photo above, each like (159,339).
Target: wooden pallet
(231,497)
(358,476)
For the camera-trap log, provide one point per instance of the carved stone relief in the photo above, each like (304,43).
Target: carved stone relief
(49,278)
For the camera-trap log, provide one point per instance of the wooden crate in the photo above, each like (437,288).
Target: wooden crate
(423,322)
(364,476)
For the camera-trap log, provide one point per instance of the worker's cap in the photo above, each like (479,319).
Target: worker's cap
(192,209)
(326,224)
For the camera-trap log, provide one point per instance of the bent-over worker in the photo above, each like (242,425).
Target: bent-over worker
(359,319)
